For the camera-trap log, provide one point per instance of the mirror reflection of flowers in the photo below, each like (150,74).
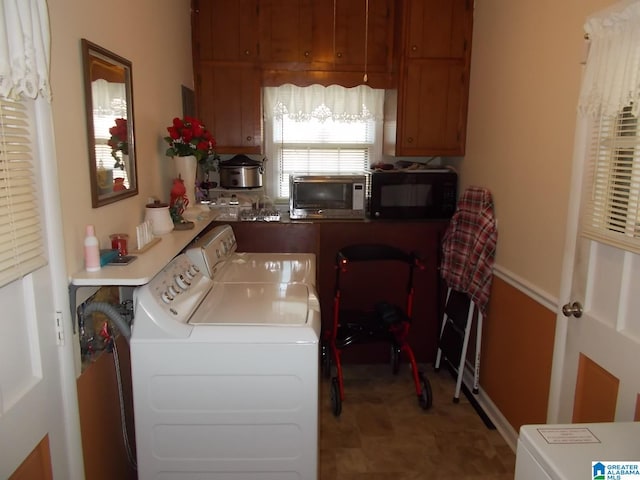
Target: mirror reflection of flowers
(119,141)
(189,136)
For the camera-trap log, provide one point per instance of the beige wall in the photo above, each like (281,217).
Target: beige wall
(525,78)
(155,35)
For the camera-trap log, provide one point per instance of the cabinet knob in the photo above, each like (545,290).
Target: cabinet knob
(339,54)
(414,48)
(410,140)
(247,52)
(249,138)
(307,53)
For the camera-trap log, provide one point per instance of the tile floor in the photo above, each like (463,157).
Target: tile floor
(382,433)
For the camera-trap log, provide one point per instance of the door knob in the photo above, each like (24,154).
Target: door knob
(572,309)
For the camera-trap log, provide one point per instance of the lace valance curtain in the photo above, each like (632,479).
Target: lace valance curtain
(612,73)
(109,98)
(335,102)
(24,49)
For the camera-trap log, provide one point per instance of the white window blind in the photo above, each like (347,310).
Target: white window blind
(21,246)
(320,130)
(612,213)
(610,96)
(321,147)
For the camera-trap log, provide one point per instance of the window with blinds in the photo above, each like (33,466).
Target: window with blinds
(21,243)
(611,213)
(321,147)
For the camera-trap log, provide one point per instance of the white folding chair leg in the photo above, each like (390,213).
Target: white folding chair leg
(476,370)
(463,354)
(436,365)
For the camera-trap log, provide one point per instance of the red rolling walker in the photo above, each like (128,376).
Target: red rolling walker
(380,322)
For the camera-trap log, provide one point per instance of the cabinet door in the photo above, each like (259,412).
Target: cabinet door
(344,29)
(433,108)
(226,30)
(229,104)
(363,29)
(438,28)
(285,31)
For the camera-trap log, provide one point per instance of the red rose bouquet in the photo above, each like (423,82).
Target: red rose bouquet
(119,141)
(189,136)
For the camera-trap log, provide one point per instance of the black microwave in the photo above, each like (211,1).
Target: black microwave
(412,194)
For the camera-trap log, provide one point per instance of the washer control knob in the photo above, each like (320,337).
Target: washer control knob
(172,291)
(182,282)
(166,297)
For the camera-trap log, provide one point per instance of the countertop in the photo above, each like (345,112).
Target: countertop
(147,264)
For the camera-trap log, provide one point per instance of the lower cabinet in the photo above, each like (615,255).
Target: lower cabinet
(369,284)
(325,238)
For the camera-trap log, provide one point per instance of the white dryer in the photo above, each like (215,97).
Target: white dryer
(225,378)
(579,450)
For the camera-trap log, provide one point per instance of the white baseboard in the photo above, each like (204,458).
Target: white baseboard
(502,425)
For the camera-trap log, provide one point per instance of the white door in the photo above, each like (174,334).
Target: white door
(37,376)
(595,370)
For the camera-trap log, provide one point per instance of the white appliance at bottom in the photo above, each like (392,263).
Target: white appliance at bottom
(566,452)
(225,378)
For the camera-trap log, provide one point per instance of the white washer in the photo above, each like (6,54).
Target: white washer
(225,378)
(215,253)
(566,452)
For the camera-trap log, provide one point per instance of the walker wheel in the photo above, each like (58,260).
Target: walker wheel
(395,358)
(425,399)
(336,401)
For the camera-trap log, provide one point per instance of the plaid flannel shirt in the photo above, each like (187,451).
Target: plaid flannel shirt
(469,246)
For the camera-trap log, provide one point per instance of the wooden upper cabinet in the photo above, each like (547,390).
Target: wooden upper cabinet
(285,32)
(229,105)
(433,90)
(353,36)
(433,109)
(438,28)
(226,30)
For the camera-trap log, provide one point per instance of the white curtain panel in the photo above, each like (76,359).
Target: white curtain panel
(612,73)
(316,101)
(24,49)
(109,98)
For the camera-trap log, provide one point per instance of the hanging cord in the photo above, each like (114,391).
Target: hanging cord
(366,39)
(123,418)
(335,13)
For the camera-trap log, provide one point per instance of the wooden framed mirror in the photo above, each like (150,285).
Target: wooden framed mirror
(110,125)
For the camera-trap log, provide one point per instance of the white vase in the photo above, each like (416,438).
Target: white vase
(186,168)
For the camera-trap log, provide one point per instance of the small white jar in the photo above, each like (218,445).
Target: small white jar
(158,214)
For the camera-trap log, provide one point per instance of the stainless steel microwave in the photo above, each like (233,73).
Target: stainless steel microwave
(327,196)
(413,194)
